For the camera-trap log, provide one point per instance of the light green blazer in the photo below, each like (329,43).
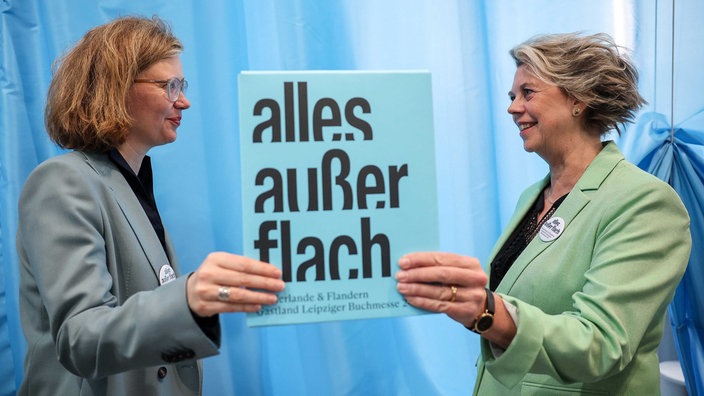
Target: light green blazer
(591,303)
(96,320)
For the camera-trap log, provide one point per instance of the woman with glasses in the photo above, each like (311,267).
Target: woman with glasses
(103,306)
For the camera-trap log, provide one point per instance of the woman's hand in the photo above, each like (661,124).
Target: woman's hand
(444,282)
(227,282)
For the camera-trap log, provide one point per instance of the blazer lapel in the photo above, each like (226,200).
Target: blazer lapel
(132,210)
(573,204)
(524,203)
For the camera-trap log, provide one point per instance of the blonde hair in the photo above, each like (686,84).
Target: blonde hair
(87,99)
(593,69)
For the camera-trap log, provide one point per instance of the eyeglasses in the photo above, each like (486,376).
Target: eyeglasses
(172,86)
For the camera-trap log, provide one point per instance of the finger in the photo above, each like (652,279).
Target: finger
(220,307)
(245,264)
(240,279)
(432,259)
(242,308)
(427,304)
(240,295)
(444,275)
(226,269)
(435,292)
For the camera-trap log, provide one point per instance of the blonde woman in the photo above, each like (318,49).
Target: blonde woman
(575,298)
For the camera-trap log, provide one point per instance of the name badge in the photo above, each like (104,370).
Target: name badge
(552,229)
(166,274)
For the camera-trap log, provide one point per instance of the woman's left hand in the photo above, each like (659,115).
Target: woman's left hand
(444,282)
(227,282)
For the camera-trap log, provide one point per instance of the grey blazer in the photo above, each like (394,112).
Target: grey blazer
(96,319)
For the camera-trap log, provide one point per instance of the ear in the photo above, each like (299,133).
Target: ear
(577,107)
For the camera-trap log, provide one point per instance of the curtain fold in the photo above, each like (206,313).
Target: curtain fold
(678,160)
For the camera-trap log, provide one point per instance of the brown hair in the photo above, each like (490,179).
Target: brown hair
(590,68)
(87,100)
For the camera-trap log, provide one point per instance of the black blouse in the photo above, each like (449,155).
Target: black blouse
(519,239)
(143,187)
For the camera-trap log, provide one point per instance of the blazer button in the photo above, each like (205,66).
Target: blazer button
(161,373)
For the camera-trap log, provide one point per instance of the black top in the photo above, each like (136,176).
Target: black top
(142,185)
(519,239)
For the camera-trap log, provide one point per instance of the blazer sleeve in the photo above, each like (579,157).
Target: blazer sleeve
(62,228)
(635,244)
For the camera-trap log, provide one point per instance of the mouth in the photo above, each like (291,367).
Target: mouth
(525,125)
(175,120)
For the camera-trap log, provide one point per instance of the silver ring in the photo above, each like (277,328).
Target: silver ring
(224,293)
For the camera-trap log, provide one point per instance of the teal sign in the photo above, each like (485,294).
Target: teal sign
(338,181)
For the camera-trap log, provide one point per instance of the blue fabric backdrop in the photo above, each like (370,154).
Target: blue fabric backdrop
(481,165)
(679,160)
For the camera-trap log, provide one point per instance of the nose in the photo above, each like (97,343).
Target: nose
(182,102)
(515,107)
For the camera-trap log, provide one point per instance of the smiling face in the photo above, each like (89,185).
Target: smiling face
(155,117)
(543,113)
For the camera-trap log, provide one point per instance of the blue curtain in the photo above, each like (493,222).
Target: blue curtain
(668,141)
(680,161)
(481,165)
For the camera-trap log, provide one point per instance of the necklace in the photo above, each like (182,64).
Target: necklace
(547,196)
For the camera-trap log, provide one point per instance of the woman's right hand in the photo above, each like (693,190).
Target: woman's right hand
(443,282)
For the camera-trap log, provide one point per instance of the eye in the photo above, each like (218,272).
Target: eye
(174,85)
(527,92)
(511,97)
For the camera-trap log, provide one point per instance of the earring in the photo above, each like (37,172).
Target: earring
(575,112)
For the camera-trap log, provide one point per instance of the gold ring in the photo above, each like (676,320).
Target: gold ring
(453,288)
(224,293)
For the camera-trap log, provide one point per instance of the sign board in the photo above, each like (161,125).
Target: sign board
(338,182)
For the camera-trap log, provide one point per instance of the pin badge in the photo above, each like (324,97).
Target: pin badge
(552,229)
(166,274)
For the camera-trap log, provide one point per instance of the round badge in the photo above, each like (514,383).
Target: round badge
(166,274)
(552,229)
